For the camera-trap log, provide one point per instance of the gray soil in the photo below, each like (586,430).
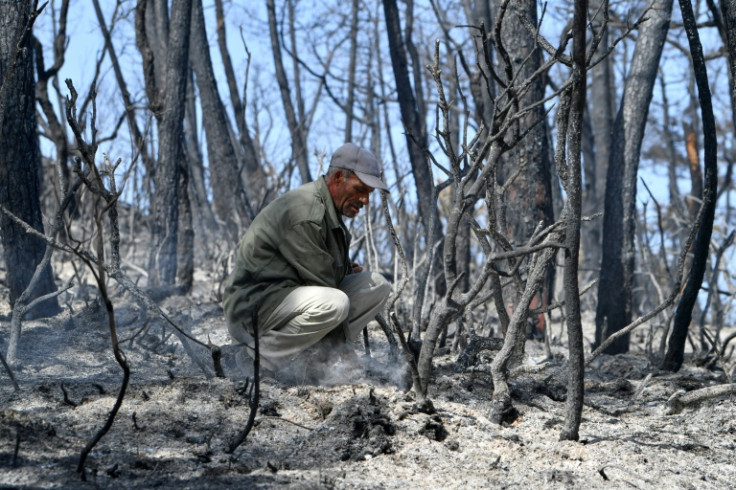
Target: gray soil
(175,423)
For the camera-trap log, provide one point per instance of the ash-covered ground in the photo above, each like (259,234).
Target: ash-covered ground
(175,424)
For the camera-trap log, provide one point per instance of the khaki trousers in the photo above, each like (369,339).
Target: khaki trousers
(309,313)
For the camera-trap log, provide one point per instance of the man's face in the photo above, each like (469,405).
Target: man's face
(349,194)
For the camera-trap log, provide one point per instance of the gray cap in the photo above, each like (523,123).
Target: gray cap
(361,161)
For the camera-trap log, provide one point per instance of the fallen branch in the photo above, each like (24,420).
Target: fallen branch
(681,399)
(642,385)
(67,400)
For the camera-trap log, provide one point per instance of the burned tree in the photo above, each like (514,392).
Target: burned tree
(230,201)
(525,170)
(413,111)
(294,117)
(20,157)
(601,109)
(683,315)
(166,88)
(573,208)
(473,169)
(615,289)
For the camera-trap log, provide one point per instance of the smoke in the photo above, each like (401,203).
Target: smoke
(331,365)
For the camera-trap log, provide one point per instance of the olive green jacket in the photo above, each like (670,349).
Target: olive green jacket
(297,240)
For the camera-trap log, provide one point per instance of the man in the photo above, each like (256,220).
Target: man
(293,268)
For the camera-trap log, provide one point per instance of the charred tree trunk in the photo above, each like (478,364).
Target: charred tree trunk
(202,215)
(532,185)
(674,157)
(255,178)
(601,119)
(692,150)
(616,283)
(299,151)
(575,393)
(55,129)
(349,104)
(483,84)
(20,156)
(159,28)
(526,168)
(683,315)
(414,128)
(728,10)
(483,88)
(185,241)
(165,201)
(229,198)
(412,119)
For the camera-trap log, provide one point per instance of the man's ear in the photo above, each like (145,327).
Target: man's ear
(336,178)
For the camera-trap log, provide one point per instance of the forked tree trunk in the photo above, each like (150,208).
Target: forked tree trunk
(616,283)
(165,201)
(502,409)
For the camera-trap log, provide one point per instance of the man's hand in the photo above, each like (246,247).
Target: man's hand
(357,268)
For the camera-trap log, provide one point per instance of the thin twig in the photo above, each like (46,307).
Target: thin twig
(67,400)
(271,417)
(254,395)
(9,371)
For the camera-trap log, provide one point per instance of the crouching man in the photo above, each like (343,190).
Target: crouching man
(293,267)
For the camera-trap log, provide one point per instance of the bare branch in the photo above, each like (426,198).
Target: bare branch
(682,399)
